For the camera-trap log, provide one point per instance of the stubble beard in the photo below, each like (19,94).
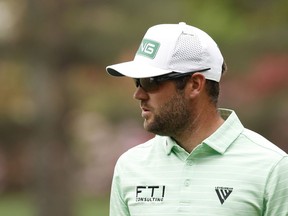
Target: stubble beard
(171,119)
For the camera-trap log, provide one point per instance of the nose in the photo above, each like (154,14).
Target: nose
(140,94)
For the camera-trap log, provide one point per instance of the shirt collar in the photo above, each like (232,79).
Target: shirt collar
(225,135)
(170,144)
(222,138)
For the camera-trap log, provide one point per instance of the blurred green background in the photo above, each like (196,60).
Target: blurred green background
(64,121)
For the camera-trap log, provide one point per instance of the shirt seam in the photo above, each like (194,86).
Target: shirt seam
(256,143)
(269,176)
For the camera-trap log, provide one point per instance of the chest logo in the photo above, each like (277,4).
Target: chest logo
(223,193)
(152,193)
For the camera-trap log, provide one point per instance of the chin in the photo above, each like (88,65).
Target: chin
(148,127)
(153,129)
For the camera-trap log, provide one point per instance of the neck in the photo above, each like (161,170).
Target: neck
(205,123)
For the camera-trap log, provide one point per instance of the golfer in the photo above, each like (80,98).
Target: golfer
(202,160)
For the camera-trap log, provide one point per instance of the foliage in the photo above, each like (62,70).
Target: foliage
(22,205)
(52,68)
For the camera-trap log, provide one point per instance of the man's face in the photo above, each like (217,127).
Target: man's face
(165,110)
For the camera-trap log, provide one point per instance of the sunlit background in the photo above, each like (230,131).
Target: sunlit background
(64,121)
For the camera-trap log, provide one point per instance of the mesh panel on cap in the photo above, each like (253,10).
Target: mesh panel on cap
(188,51)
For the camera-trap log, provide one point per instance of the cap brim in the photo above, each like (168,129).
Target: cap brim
(135,69)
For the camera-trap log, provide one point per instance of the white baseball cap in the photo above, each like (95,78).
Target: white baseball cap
(168,48)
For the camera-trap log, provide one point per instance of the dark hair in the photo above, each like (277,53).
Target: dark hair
(212,87)
(213,90)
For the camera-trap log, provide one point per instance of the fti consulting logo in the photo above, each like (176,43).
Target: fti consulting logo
(152,193)
(148,48)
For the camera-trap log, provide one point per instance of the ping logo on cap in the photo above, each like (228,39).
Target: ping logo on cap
(148,48)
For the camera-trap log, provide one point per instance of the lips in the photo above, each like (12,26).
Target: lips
(145,111)
(144,106)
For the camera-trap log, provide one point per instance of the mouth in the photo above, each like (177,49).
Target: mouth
(145,111)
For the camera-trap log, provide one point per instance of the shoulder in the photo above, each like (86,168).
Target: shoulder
(262,144)
(144,152)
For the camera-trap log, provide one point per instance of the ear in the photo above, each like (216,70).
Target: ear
(196,85)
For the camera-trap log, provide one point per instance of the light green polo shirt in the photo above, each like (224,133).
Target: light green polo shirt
(234,172)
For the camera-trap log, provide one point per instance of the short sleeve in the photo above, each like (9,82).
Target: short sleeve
(276,199)
(118,206)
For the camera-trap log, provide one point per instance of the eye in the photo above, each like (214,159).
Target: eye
(147,84)
(145,81)
(137,82)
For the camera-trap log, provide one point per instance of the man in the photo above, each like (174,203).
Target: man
(202,160)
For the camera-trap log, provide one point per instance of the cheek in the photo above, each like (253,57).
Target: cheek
(166,94)
(159,103)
